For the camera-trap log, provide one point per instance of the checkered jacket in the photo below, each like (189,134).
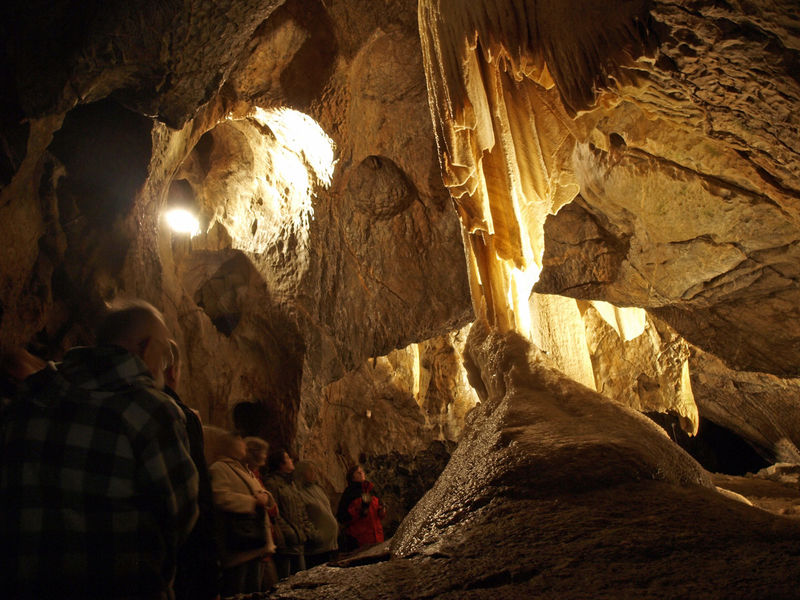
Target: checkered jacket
(97,487)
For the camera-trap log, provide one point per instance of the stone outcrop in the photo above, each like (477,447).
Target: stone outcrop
(554,491)
(757,406)
(675,125)
(400,403)
(280,287)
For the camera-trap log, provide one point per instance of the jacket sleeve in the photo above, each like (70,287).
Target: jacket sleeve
(166,475)
(311,532)
(229,491)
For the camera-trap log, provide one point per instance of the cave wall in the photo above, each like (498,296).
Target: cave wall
(643,156)
(262,308)
(398,403)
(676,126)
(657,170)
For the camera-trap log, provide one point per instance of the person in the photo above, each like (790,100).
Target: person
(296,529)
(236,491)
(255,460)
(16,366)
(318,507)
(360,511)
(97,486)
(198,573)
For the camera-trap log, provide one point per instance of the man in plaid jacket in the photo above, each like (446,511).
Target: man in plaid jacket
(97,486)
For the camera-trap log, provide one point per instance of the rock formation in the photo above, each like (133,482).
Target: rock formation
(554,491)
(612,191)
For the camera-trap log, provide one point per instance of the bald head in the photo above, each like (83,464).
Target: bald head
(138,327)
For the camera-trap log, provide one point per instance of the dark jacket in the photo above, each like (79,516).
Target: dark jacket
(198,570)
(98,488)
(293,519)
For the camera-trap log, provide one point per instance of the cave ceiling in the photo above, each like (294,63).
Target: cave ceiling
(644,156)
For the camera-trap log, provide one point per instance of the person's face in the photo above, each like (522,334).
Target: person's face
(359,476)
(156,354)
(239,448)
(287,466)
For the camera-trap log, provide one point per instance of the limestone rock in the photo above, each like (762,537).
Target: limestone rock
(401,403)
(669,123)
(650,372)
(160,59)
(510,517)
(757,406)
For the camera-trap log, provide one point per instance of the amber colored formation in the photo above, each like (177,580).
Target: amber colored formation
(610,190)
(556,492)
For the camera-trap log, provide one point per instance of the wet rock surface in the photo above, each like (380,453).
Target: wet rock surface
(401,481)
(528,508)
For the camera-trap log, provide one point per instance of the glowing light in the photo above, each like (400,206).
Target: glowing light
(519,290)
(303,135)
(181,220)
(628,322)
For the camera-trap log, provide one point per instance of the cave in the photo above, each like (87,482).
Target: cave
(535,264)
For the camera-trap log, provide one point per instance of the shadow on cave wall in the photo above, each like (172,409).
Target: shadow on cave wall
(95,167)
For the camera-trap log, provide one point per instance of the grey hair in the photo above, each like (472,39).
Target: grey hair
(125,320)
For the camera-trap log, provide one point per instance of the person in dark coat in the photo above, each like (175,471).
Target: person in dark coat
(296,528)
(199,573)
(360,512)
(98,489)
(318,507)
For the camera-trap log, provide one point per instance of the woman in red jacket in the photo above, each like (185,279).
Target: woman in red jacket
(360,511)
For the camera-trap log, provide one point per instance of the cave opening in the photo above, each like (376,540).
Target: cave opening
(717,448)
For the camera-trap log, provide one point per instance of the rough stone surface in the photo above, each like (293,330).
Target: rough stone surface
(690,178)
(160,59)
(398,403)
(761,408)
(257,307)
(647,373)
(512,517)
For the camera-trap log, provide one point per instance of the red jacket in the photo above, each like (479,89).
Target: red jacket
(365,521)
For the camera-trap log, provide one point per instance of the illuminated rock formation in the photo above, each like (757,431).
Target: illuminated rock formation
(554,491)
(678,128)
(616,184)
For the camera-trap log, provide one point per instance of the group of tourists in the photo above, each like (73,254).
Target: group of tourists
(111,487)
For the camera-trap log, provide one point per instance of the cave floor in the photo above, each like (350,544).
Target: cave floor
(642,539)
(773,496)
